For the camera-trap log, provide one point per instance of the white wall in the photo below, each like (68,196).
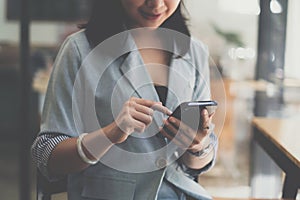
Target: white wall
(292,61)
(205,12)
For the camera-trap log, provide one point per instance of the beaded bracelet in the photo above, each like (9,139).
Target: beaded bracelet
(81,153)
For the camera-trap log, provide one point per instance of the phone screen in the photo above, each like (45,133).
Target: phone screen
(190,112)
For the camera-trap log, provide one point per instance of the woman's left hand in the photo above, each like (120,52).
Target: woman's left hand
(186,137)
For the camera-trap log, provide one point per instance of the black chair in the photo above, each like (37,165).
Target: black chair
(45,189)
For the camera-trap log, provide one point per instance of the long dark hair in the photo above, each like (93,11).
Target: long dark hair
(107,18)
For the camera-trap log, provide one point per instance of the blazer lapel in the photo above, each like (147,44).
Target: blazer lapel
(181,81)
(133,69)
(181,78)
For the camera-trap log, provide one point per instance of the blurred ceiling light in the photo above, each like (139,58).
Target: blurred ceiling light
(275,7)
(250,7)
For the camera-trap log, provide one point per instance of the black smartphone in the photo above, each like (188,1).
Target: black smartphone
(190,112)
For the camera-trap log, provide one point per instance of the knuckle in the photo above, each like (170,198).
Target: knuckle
(131,103)
(149,120)
(127,111)
(151,112)
(132,98)
(142,128)
(127,103)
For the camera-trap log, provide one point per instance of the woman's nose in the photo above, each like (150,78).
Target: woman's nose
(155,3)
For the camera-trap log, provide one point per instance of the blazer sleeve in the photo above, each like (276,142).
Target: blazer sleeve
(57,122)
(57,114)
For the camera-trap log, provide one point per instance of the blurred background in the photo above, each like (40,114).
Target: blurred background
(254,44)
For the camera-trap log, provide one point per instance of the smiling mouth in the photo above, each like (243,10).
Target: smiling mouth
(150,16)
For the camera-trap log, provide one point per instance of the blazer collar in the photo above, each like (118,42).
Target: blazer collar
(180,74)
(136,73)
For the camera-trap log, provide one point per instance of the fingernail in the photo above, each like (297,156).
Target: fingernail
(204,112)
(172,119)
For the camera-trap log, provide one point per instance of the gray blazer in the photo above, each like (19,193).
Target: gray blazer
(87,90)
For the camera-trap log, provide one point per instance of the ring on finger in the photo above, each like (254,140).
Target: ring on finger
(205,128)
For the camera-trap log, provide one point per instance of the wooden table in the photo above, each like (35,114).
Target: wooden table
(280,139)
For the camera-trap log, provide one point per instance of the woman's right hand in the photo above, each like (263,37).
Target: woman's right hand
(135,116)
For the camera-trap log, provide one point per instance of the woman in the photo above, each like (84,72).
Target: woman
(130,117)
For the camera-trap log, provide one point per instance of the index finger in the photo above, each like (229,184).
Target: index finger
(153,105)
(161,108)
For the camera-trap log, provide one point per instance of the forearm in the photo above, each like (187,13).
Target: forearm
(73,154)
(195,162)
(65,159)
(207,154)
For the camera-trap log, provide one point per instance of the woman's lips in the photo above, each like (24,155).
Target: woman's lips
(151,16)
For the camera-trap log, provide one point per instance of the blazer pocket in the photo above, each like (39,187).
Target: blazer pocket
(108,188)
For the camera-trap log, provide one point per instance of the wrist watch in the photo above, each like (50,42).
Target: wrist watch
(203,152)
